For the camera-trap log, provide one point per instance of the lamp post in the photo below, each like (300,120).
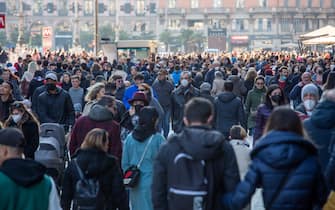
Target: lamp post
(76,26)
(96,42)
(20,39)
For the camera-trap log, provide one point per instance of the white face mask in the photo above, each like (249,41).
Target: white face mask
(16,117)
(184,82)
(309,104)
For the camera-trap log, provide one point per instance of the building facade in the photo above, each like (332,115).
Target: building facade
(227,24)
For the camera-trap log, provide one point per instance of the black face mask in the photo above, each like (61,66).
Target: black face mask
(51,86)
(276,98)
(138,108)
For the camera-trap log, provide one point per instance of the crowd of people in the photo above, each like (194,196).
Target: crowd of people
(183,121)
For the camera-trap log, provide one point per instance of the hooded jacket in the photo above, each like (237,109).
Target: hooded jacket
(27,186)
(254,99)
(96,164)
(229,111)
(277,155)
(202,144)
(239,89)
(98,117)
(320,127)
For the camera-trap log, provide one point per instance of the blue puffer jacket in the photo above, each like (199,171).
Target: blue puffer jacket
(276,155)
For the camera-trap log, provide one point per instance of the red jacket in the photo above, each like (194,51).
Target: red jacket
(84,124)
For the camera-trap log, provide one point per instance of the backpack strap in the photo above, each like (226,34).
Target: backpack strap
(282,183)
(78,169)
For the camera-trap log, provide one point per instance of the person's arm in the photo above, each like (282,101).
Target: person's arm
(69,110)
(117,197)
(296,91)
(159,181)
(42,112)
(258,124)
(115,142)
(67,189)
(241,196)
(231,175)
(54,202)
(125,99)
(241,116)
(74,142)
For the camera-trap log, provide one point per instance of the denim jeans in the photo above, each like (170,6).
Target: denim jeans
(166,121)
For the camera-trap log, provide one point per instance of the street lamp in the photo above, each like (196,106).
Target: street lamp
(96,28)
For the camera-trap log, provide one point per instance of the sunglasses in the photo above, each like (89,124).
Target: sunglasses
(259,83)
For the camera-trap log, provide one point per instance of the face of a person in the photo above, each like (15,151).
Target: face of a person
(75,83)
(118,82)
(139,81)
(17,111)
(5,75)
(101,93)
(309,96)
(185,76)
(161,77)
(259,84)
(50,81)
(66,78)
(305,78)
(276,92)
(79,74)
(284,72)
(6,89)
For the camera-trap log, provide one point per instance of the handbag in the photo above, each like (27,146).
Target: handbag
(132,174)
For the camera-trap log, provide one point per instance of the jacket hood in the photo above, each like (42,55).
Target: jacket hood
(201,142)
(323,115)
(23,172)
(100,113)
(280,149)
(226,96)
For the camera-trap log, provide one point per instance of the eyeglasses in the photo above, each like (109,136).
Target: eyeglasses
(142,90)
(259,83)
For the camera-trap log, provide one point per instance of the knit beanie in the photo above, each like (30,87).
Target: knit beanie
(310,88)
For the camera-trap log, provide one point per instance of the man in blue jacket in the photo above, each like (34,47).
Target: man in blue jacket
(128,94)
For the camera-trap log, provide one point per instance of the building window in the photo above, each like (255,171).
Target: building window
(174,24)
(172,4)
(37,7)
(260,25)
(240,4)
(309,3)
(269,25)
(333,3)
(88,7)
(285,25)
(217,3)
(321,3)
(298,3)
(298,25)
(263,3)
(140,7)
(239,25)
(194,3)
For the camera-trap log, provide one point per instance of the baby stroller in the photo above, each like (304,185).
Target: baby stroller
(52,151)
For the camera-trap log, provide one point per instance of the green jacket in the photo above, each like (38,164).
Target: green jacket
(254,99)
(24,186)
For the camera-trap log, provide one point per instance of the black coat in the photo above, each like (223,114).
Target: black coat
(96,164)
(55,108)
(180,97)
(30,131)
(200,143)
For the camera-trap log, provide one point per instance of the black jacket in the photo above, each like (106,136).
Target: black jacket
(98,164)
(163,90)
(55,108)
(180,97)
(202,144)
(229,111)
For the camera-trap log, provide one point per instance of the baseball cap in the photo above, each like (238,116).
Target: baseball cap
(51,75)
(12,137)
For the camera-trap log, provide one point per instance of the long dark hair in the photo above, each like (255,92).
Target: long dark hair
(284,119)
(27,115)
(330,83)
(267,96)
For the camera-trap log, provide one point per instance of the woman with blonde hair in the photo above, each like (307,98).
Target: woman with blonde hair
(95,164)
(28,76)
(95,92)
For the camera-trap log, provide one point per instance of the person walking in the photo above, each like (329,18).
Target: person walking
(285,165)
(26,183)
(195,166)
(141,147)
(95,164)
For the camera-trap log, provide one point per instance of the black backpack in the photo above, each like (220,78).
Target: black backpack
(188,188)
(86,191)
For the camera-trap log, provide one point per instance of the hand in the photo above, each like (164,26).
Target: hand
(300,84)
(132,111)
